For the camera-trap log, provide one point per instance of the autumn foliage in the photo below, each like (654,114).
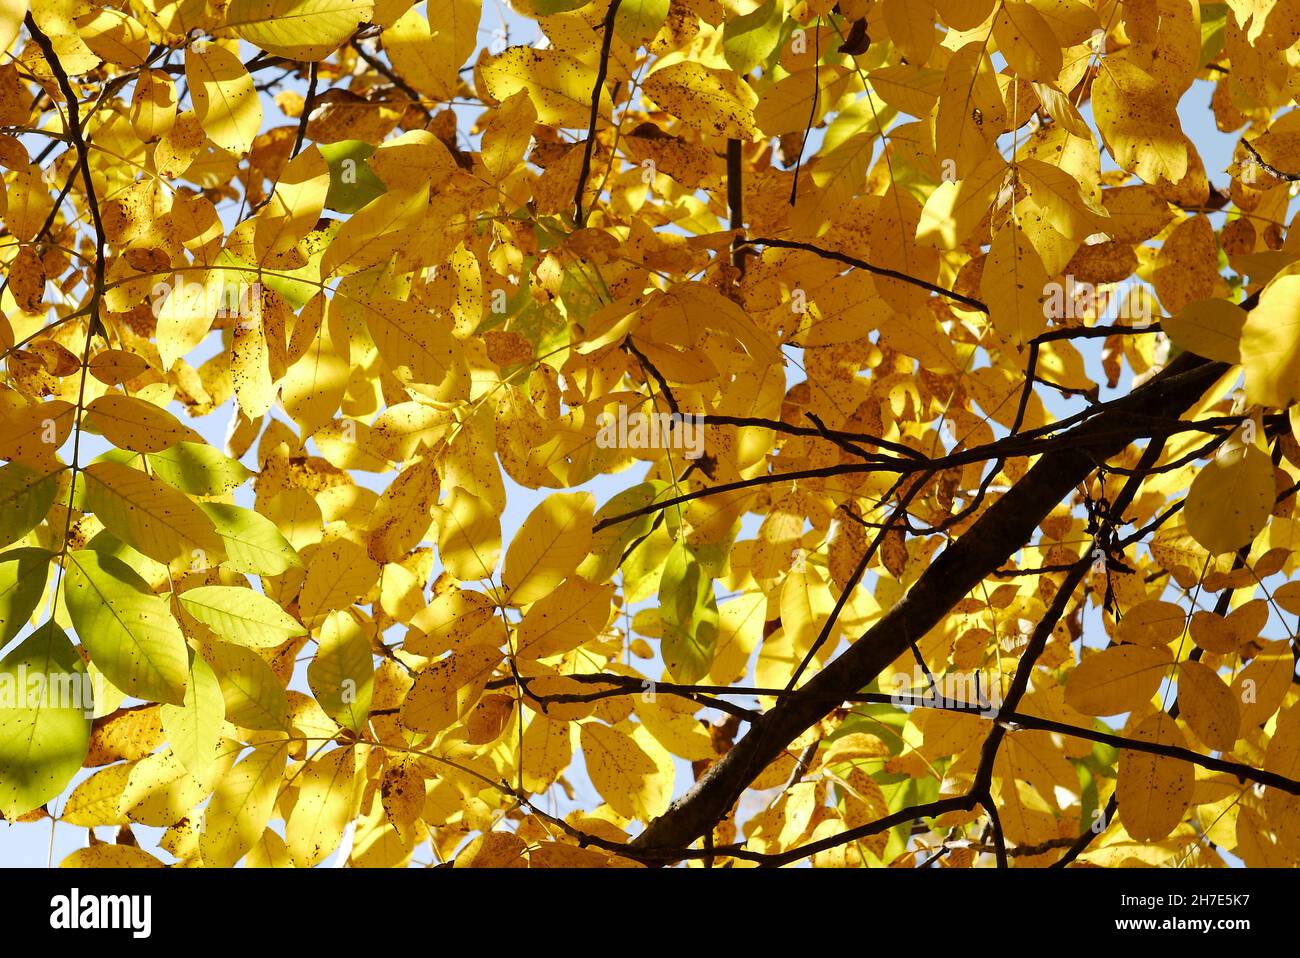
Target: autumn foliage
(891,418)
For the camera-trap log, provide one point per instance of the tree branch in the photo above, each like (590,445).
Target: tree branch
(579,214)
(1002,529)
(967,301)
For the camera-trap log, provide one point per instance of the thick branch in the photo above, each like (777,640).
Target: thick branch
(998,533)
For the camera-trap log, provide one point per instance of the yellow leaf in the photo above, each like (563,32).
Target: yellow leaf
(1261,687)
(567,618)
(559,85)
(1119,679)
(469,536)
(964,14)
(1014,286)
(548,547)
(1283,758)
(1209,327)
(161,791)
(785,105)
(911,28)
(313,386)
(672,722)
(414,342)
(1058,193)
(111,856)
(193,728)
(327,800)
(448,621)
(508,135)
(1153,790)
(11,20)
(33,433)
(29,203)
(128,734)
(294,207)
(1026,40)
(1208,706)
(338,573)
(1270,345)
(971,111)
(1152,623)
(402,790)
(242,805)
(254,696)
(114,37)
(1062,110)
(115,366)
(548,749)
(402,515)
(250,362)
(297,29)
(153,105)
(714,102)
(131,423)
(1138,123)
(953,210)
(429,53)
(341,674)
(624,775)
(185,308)
(806,605)
(1230,499)
(225,102)
(375,231)
(95,801)
(412,160)
(149,515)
(1187,266)
(446,691)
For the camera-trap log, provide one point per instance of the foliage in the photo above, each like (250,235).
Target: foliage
(902,418)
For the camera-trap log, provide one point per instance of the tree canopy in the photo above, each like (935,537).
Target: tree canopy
(891,419)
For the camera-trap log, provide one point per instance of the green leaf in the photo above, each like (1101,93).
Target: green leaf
(342,674)
(198,469)
(747,41)
(1214,21)
(241,615)
(194,727)
(608,545)
(688,614)
(639,20)
(128,631)
(352,183)
(253,543)
(22,583)
(42,742)
(105,543)
(147,514)
(299,285)
(25,499)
